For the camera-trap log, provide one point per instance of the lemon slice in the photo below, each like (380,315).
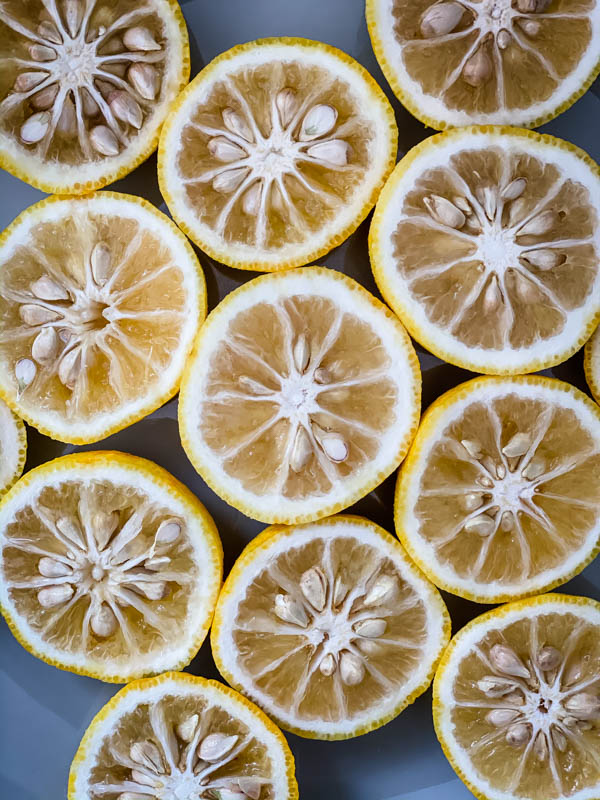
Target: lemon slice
(516,700)
(328,627)
(276,152)
(100,300)
(85,87)
(592,364)
(179,736)
(456,63)
(110,567)
(13,447)
(301,396)
(499,496)
(486,243)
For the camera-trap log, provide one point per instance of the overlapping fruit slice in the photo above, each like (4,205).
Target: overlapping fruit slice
(457,62)
(100,299)
(85,86)
(500,495)
(178,736)
(329,627)
(592,364)
(13,447)
(301,396)
(110,567)
(516,700)
(486,243)
(276,152)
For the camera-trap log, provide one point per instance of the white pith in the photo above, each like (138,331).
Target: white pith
(513,495)
(297,398)
(496,248)
(331,631)
(77,324)
(97,577)
(491,16)
(10,446)
(551,688)
(270,158)
(593,365)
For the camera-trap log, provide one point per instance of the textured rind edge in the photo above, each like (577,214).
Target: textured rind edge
(221,255)
(261,543)
(440,125)
(22,437)
(156,474)
(419,333)
(426,429)
(15,167)
(82,751)
(254,512)
(591,364)
(167,395)
(494,614)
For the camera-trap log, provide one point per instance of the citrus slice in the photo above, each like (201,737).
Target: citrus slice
(592,364)
(85,87)
(486,243)
(13,447)
(329,627)
(110,567)
(516,701)
(501,61)
(100,300)
(276,152)
(301,396)
(179,736)
(499,496)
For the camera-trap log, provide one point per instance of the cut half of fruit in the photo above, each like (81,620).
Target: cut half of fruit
(486,243)
(301,396)
(592,364)
(179,736)
(85,86)
(13,447)
(329,627)
(499,497)
(110,567)
(276,152)
(505,61)
(100,300)
(516,701)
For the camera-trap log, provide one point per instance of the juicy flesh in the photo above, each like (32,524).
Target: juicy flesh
(474,281)
(260,398)
(538,508)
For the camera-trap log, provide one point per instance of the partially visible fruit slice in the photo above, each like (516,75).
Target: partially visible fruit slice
(499,496)
(13,447)
(455,63)
(591,364)
(110,567)
(100,300)
(486,243)
(85,86)
(329,627)
(179,736)
(301,396)
(516,700)
(276,152)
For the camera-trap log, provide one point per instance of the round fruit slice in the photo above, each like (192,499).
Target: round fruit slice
(329,627)
(179,736)
(110,567)
(85,86)
(486,243)
(301,396)
(100,300)
(504,61)
(276,152)
(13,447)
(592,364)
(499,496)
(516,701)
